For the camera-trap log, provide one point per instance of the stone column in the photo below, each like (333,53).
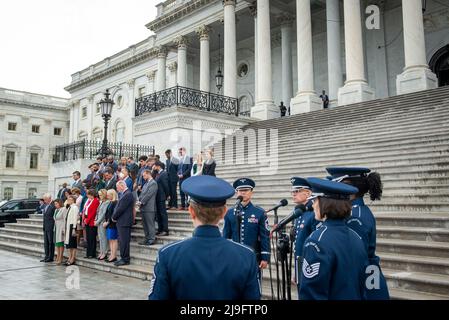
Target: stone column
(173,68)
(203,33)
(416,76)
(334,61)
(230,50)
(182,42)
(253,10)
(356,88)
(286,21)
(264,108)
(306,99)
(161,66)
(151,75)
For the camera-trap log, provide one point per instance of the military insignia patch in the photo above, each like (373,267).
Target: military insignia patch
(267,225)
(253,219)
(310,271)
(242,180)
(292,181)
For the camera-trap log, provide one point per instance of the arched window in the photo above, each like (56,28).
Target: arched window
(119,131)
(244,105)
(97,134)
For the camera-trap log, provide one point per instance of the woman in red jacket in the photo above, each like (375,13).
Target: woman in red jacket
(89,214)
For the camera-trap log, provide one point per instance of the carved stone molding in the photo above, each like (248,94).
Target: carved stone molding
(181,41)
(203,32)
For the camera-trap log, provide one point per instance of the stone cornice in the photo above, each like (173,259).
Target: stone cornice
(33,105)
(132,61)
(179,12)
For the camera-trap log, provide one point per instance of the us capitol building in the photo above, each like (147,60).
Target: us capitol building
(168,90)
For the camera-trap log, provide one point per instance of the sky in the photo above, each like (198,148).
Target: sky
(43,42)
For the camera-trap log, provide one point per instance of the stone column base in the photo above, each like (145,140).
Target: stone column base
(416,79)
(305,102)
(265,111)
(355,92)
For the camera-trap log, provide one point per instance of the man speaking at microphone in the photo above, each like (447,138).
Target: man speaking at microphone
(305,224)
(254,230)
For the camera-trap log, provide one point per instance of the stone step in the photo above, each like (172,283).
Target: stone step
(333,149)
(426,220)
(387,132)
(402,294)
(414,233)
(423,282)
(319,168)
(411,247)
(411,263)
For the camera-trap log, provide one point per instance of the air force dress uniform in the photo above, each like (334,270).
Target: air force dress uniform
(334,257)
(304,225)
(206,266)
(363,222)
(254,230)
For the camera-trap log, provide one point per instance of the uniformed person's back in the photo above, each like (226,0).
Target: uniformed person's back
(206,266)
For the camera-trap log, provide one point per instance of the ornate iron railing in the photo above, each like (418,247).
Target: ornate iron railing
(187,97)
(86,149)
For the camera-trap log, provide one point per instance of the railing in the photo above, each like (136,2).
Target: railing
(86,149)
(187,97)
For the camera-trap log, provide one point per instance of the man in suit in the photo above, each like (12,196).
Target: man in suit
(161,177)
(49,224)
(77,182)
(171,165)
(184,168)
(147,203)
(123,216)
(109,179)
(61,192)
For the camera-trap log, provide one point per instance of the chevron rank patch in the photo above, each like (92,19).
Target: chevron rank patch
(267,225)
(310,270)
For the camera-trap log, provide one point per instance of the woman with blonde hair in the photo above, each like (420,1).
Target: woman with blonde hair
(71,222)
(99,219)
(59,216)
(209,164)
(197,167)
(111,228)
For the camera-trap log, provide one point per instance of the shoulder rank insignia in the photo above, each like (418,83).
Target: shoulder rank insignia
(310,271)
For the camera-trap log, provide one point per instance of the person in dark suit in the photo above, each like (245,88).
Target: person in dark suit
(147,204)
(109,179)
(123,216)
(161,177)
(61,192)
(48,212)
(205,266)
(210,164)
(184,168)
(171,165)
(77,182)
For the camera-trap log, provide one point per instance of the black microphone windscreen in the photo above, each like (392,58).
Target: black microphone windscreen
(301,207)
(283,202)
(240,198)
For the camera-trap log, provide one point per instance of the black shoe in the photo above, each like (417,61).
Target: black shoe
(48,260)
(150,243)
(121,263)
(163,234)
(113,260)
(143,243)
(43,260)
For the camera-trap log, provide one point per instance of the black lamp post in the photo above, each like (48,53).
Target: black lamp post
(424,6)
(106,105)
(219,75)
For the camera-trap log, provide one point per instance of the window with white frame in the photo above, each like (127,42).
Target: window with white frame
(32,193)
(83,112)
(12,126)
(8,193)
(33,160)
(35,128)
(141,92)
(57,131)
(10,159)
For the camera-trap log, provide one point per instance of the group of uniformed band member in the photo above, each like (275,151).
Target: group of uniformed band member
(334,241)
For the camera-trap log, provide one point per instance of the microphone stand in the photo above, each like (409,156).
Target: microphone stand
(238,215)
(283,250)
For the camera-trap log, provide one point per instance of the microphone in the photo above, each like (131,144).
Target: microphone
(238,202)
(299,210)
(281,203)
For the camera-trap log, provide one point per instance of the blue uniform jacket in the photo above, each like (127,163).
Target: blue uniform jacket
(304,226)
(205,267)
(254,230)
(363,222)
(334,264)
